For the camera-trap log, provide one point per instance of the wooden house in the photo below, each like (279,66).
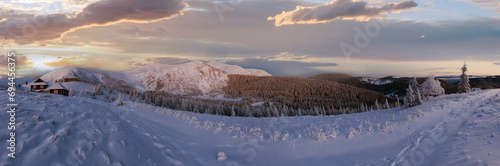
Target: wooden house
(48,87)
(71,79)
(38,85)
(57,88)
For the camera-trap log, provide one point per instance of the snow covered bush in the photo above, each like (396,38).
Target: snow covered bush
(431,87)
(119,101)
(321,135)
(463,85)
(221,156)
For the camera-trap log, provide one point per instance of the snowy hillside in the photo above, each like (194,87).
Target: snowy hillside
(19,80)
(194,77)
(234,69)
(89,75)
(460,129)
(191,78)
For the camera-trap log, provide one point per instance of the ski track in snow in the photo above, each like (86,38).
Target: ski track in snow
(424,143)
(459,129)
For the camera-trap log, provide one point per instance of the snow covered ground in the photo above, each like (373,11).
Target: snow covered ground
(459,129)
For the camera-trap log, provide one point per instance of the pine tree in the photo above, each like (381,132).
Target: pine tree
(362,108)
(232,111)
(386,104)
(377,105)
(119,101)
(410,99)
(463,85)
(416,88)
(398,104)
(418,96)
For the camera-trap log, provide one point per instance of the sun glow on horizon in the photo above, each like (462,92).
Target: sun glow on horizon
(40,60)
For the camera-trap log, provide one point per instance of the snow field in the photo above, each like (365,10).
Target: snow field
(463,129)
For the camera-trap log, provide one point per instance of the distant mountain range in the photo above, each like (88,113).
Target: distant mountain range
(196,78)
(391,86)
(191,78)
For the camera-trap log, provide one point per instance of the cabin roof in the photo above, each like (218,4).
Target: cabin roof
(38,80)
(56,86)
(38,83)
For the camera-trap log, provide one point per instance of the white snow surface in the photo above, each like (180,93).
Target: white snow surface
(458,129)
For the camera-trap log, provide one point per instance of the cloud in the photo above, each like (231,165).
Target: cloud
(337,10)
(79,62)
(285,56)
(434,69)
(61,63)
(489,4)
(51,26)
(496,63)
(21,61)
(244,34)
(282,68)
(167,60)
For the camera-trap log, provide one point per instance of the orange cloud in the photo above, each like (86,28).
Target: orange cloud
(86,63)
(61,63)
(51,26)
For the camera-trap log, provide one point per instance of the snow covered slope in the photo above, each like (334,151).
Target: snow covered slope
(19,80)
(194,77)
(234,69)
(89,75)
(191,78)
(461,129)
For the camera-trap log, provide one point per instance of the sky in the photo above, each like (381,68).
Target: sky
(297,38)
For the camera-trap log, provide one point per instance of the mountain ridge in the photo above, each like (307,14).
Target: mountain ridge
(191,78)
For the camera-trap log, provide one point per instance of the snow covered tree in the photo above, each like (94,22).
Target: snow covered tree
(232,111)
(97,89)
(119,101)
(411,99)
(72,92)
(431,87)
(416,87)
(377,105)
(362,108)
(463,85)
(398,104)
(386,104)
